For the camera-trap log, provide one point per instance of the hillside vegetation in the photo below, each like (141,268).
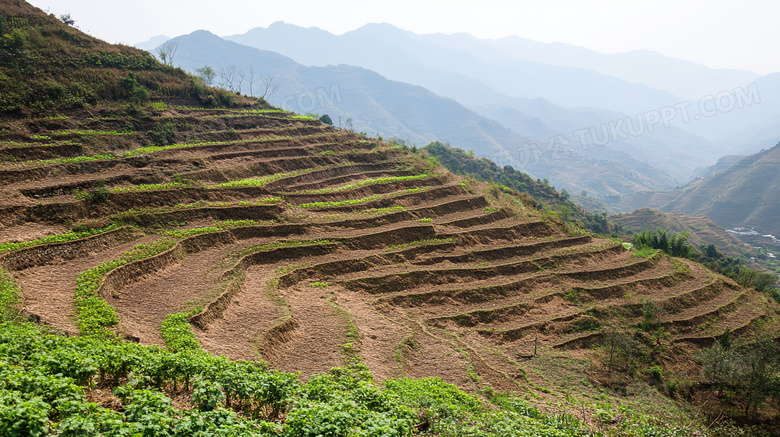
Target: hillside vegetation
(45,65)
(347,285)
(465,163)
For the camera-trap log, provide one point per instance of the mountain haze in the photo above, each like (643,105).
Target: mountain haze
(537,100)
(418,116)
(375,104)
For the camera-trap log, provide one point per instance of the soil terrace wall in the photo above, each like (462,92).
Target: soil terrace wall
(27,257)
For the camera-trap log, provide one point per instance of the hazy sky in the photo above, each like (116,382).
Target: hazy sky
(718,33)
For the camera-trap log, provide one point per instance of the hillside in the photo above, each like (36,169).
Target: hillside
(45,66)
(464,163)
(745,194)
(702,230)
(303,280)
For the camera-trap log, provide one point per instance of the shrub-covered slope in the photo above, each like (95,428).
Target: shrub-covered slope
(702,230)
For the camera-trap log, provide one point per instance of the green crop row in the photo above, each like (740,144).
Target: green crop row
(301,117)
(184,233)
(420,243)
(264,247)
(383,210)
(219,225)
(365,182)
(44,378)
(341,203)
(177,332)
(149,187)
(262,180)
(90,132)
(149,149)
(59,238)
(98,157)
(330,204)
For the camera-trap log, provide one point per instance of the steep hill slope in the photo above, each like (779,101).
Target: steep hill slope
(46,66)
(745,194)
(259,234)
(323,238)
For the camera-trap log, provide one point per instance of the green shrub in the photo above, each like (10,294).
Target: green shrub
(162,134)
(98,195)
(207,395)
(9,296)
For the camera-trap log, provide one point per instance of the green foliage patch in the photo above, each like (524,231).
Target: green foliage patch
(260,181)
(270,246)
(330,204)
(157,148)
(365,182)
(420,243)
(177,332)
(151,187)
(9,296)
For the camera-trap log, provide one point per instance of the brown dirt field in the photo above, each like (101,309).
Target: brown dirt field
(315,345)
(142,306)
(30,231)
(251,312)
(48,291)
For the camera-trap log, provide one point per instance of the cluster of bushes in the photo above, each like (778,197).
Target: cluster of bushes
(46,65)
(743,375)
(674,244)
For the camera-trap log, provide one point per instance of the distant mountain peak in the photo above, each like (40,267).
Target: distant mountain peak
(152,42)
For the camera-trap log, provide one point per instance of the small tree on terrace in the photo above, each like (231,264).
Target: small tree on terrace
(269,88)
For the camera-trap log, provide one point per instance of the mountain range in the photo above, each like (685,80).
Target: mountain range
(581,119)
(415,115)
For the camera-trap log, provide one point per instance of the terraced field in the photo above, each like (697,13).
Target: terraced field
(292,242)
